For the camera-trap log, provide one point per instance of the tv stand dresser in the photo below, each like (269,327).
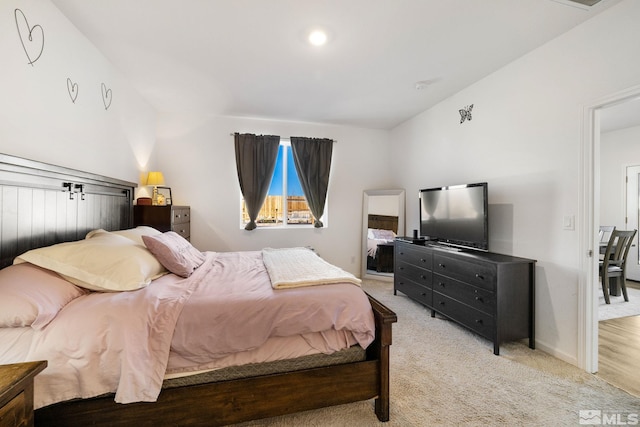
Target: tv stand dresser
(490,294)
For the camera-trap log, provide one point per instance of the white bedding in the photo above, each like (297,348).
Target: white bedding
(295,267)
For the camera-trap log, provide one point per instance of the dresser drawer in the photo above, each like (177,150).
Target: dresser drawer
(180,215)
(413,290)
(183,229)
(164,218)
(413,254)
(419,275)
(482,275)
(475,320)
(478,298)
(14,412)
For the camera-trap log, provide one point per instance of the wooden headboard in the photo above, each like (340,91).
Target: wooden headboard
(43,204)
(383,222)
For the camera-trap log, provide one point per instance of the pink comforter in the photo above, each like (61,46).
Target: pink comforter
(109,342)
(120,342)
(235,309)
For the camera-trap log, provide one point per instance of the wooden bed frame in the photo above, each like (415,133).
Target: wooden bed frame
(42,204)
(383,222)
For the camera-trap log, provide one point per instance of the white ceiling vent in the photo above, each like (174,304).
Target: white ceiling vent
(586,2)
(582,4)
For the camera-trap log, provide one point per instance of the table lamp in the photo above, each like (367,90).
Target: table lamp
(155,178)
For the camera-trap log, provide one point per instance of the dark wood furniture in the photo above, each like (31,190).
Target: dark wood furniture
(383,261)
(16,393)
(164,218)
(383,222)
(44,204)
(230,402)
(384,258)
(490,294)
(613,265)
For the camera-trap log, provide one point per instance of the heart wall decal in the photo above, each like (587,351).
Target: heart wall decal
(32,38)
(72,88)
(107,96)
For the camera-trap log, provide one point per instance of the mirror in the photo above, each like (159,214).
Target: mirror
(382,213)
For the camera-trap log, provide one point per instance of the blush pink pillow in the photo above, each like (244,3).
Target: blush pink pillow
(33,296)
(174,252)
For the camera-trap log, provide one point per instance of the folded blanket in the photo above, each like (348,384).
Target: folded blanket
(295,267)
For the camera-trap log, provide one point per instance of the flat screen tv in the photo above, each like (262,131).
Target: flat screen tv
(456,215)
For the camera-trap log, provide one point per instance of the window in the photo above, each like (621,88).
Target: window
(285,187)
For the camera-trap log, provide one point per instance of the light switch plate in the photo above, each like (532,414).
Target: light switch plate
(568,222)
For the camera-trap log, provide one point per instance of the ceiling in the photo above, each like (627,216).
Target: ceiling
(250,58)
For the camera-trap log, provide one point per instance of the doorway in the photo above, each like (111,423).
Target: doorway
(590,219)
(631,206)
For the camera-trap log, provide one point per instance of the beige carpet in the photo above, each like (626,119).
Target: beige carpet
(442,375)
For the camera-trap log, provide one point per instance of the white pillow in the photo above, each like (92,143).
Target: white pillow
(134,234)
(104,262)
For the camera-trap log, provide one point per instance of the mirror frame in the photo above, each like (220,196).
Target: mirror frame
(365,222)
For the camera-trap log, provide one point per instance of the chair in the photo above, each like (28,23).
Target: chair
(605,232)
(614,263)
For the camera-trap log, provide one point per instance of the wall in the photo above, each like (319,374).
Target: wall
(39,119)
(196,155)
(383,205)
(525,140)
(619,149)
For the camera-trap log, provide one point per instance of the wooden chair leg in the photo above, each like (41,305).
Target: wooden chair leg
(623,285)
(605,288)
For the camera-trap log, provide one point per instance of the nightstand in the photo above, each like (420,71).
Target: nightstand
(385,258)
(164,218)
(16,393)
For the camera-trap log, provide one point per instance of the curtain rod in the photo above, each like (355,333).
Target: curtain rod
(335,141)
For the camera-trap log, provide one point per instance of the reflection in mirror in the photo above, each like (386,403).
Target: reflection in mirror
(382,220)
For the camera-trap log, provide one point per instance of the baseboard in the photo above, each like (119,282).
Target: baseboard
(556,353)
(633,284)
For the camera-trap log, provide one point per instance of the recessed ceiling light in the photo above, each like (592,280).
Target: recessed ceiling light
(317,37)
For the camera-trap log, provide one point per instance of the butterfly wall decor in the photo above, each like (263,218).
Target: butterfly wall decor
(465,113)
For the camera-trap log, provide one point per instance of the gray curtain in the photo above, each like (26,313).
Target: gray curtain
(255,161)
(312,157)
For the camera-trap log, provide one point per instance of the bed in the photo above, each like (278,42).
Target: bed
(381,231)
(44,206)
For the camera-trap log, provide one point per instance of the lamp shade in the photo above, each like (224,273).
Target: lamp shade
(155,178)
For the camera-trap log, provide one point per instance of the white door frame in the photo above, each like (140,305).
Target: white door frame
(631,199)
(589,220)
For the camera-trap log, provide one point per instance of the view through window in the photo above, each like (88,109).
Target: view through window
(285,203)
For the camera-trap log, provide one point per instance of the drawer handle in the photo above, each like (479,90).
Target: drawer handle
(401,268)
(479,299)
(423,260)
(479,321)
(441,265)
(441,303)
(422,276)
(441,284)
(423,294)
(479,276)
(401,253)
